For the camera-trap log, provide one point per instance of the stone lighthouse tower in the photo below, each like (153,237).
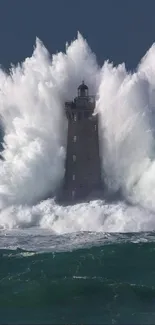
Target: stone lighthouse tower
(83,172)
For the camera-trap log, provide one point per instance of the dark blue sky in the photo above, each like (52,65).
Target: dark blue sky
(120,30)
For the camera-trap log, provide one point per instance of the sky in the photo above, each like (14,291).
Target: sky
(118,30)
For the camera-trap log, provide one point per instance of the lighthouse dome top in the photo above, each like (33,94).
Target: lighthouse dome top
(83,90)
(83,86)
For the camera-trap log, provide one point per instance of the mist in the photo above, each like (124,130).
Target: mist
(32,114)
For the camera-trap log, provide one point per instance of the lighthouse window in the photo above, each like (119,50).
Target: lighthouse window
(73,177)
(74,138)
(79,116)
(74,158)
(95,127)
(75,118)
(73,193)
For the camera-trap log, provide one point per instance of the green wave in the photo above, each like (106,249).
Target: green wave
(110,283)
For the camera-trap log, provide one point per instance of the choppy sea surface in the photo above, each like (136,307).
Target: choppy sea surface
(83,277)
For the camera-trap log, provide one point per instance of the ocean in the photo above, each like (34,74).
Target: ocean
(80,278)
(91,262)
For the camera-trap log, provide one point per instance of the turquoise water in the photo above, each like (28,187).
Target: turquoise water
(89,278)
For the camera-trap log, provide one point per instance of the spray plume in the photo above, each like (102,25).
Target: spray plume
(32,100)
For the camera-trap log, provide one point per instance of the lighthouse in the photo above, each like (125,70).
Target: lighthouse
(82,179)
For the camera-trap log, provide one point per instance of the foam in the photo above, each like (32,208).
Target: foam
(35,130)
